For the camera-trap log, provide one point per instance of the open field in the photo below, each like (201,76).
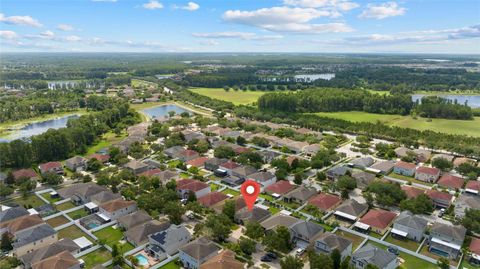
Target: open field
(105,142)
(405,243)
(379,92)
(236,97)
(171,265)
(466,127)
(97,257)
(64,206)
(137,83)
(49,198)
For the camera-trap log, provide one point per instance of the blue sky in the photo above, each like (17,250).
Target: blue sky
(416,26)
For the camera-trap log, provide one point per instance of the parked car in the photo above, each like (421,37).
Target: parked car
(272,255)
(299,252)
(266,258)
(393,250)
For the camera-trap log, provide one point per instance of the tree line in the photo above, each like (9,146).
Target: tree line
(437,107)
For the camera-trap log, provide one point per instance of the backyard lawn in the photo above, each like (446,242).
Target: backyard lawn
(97,257)
(236,97)
(467,265)
(64,206)
(409,261)
(408,244)
(230,191)
(274,210)
(30,201)
(73,232)
(214,187)
(78,214)
(49,198)
(356,240)
(105,142)
(113,236)
(171,265)
(57,221)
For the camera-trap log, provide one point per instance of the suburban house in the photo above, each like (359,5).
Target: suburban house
(257,214)
(278,220)
(239,204)
(51,167)
(268,156)
(232,181)
(384,167)
(280,187)
(423,155)
(166,176)
(370,254)
(12,213)
(103,158)
(440,199)
(408,225)
(173,152)
(117,208)
(25,173)
(363,178)
(404,168)
(167,242)
(473,187)
(362,162)
(312,149)
(464,202)
(427,174)
(214,163)
(451,182)
(412,192)
(32,239)
(474,247)
(192,135)
(443,156)
(224,260)
(404,152)
(187,155)
(300,195)
(195,253)
(264,178)
(104,196)
(197,162)
(21,223)
(243,171)
(138,235)
(446,240)
(337,171)
(212,198)
(350,210)
(185,186)
(460,160)
(133,219)
(65,244)
(325,201)
(304,232)
(136,167)
(327,242)
(62,260)
(377,220)
(228,166)
(76,164)
(81,193)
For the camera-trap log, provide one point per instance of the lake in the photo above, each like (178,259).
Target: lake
(36,128)
(162,111)
(313,77)
(473,100)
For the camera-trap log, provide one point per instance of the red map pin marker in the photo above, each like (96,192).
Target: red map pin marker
(250,191)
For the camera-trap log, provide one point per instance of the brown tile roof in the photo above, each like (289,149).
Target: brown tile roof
(100,157)
(151,172)
(473,185)
(325,201)
(438,195)
(280,187)
(475,246)
(188,152)
(62,260)
(224,260)
(24,173)
(450,181)
(198,162)
(116,204)
(378,218)
(412,192)
(230,165)
(460,160)
(405,165)
(212,198)
(22,223)
(428,170)
(191,185)
(50,165)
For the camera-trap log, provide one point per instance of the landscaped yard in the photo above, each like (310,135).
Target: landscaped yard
(267,197)
(57,221)
(184,175)
(171,265)
(73,232)
(78,214)
(30,201)
(49,197)
(406,243)
(467,265)
(408,261)
(65,206)
(411,179)
(97,257)
(230,191)
(105,142)
(214,187)
(274,210)
(356,240)
(287,204)
(113,236)
(236,97)
(174,163)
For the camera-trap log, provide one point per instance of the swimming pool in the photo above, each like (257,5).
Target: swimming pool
(142,260)
(93,225)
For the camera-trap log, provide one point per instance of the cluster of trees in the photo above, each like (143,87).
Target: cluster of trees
(437,107)
(326,100)
(63,143)
(386,193)
(202,100)
(462,144)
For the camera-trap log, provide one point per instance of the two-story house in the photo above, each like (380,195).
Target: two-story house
(446,240)
(370,254)
(328,242)
(195,253)
(117,208)
(408,225)
(167,242)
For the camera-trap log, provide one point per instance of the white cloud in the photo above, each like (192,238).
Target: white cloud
(8,34)
(47,34)
(286,19)
(20,20)
(65,27)
(152,4)
(343,5)
(191,6)
(239,35)
(382,11)
(72,38)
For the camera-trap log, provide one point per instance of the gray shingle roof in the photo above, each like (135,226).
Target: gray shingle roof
(139,234)
(374,255)
(352,207)
(301,193)
(134,219)
(200,248)
(307,228)
(256,215)
(262,176)
(31,235)
(458,232)
(13,213)
(278,220)
(334,241)
(50,250)
(407,219)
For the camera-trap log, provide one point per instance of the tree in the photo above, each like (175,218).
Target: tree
(386,194)
(421,204)
(218,226)
(345,184)
(291,262)
(27,186)
(443,263)
(6,243)
(224,152)
(321,176)
(298,178)
(52,178)
(254,230)
(320,261)
(371,266)
(5,190)
(278,239)
(10,179)
(175,211)
(442,164)
(248,246)
(229,209)
(471,220)
(336,257)
(241,140)
(94,165)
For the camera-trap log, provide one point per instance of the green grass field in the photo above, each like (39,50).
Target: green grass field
(73,232)
(78,214)
(30,201)
(105,142)
(236,97)
(138,83)
(466,127)
(57,221)
(97,257)
(113,236)
(409,261)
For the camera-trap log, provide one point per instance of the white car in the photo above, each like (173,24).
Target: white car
(299,252)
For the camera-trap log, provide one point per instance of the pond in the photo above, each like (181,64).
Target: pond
(313,77)
(162,111)
(473,100)
(36,128)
